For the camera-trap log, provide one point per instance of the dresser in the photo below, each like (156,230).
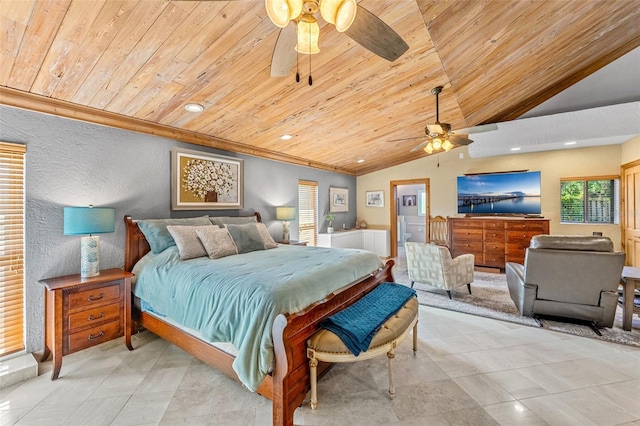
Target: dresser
(494,241)
(84,312)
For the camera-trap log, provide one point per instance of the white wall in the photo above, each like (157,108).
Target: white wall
(553,165)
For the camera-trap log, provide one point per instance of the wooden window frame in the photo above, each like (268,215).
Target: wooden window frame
(308,224)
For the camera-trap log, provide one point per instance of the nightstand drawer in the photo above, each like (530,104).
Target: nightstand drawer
(94,336)
(94,296)
(93,316)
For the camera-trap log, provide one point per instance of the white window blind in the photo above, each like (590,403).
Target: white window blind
(308,211)
(11,247)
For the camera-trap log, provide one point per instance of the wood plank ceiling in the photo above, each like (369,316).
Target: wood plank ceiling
(135,64)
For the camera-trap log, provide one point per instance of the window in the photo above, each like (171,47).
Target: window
(308,211)
(11,248)
(590,200)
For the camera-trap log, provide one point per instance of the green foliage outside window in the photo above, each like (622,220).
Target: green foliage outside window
(588,201)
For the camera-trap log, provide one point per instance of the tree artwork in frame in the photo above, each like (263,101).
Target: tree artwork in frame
(338,200)
(375,198)
(203,181)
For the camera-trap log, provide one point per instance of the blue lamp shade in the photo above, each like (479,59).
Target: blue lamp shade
(87,221)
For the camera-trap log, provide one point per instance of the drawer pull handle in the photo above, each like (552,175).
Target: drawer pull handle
(93,299)
(97,336)
(92,318)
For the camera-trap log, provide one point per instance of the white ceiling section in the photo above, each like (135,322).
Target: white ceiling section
(601,109)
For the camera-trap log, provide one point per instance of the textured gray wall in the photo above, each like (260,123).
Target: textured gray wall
(72,163)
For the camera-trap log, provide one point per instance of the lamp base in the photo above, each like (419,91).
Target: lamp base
(285,232)
(90,256)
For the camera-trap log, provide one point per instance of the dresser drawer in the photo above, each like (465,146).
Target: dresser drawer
(520,237)
(93,336)
(494,235)
(495,225)
(494,247)
(468,234)
(94,297)
(93,316)
(495,259)
(466,224)
(526,225)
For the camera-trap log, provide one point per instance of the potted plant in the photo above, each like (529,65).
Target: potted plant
(330,218)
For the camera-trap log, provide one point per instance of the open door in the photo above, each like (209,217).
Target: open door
(393,191)
(631,212)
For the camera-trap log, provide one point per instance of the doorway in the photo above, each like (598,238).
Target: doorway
(409,199)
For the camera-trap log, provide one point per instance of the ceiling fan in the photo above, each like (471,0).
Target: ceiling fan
(440,137)
(347,16)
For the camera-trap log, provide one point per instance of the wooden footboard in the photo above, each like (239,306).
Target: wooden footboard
(289,383)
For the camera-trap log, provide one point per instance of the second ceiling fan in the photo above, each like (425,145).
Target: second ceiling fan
(440,137)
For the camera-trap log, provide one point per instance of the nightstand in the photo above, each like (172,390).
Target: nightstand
(294,243)
(84,312)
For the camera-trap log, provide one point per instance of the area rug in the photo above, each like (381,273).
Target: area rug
(490,298)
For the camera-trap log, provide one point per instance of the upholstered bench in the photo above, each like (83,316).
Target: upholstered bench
(326,346)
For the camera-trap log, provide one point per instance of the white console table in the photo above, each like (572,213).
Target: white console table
(375,240)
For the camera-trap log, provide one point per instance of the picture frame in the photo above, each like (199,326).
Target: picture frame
(204,181)
(338,200)
(374,198)
(409,200)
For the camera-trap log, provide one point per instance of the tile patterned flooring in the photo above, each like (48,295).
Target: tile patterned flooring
(468,371)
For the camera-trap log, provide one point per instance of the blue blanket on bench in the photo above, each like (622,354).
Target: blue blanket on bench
(357,324)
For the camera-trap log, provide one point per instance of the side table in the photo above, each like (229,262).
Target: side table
(630,282)
(84,312)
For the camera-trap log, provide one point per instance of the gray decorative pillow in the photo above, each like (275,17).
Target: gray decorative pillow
(155,230)
(247,237)
(186,238)
(217,242)
(267,239)
(221,221)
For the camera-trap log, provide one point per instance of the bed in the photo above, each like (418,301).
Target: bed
(287,381)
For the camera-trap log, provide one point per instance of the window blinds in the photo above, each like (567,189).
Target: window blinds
(11,247)
(308,211)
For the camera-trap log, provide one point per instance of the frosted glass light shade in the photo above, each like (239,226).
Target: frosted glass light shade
(308,35)
(282,11)
(285,213)
(340,13)
(446,145)
(429,148)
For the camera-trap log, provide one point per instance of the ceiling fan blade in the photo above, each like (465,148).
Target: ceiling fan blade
(406,139)
(420,146)
(459,140)
(478,129)
(284,54)
(373,34)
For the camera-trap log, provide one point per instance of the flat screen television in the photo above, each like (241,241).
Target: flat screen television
(513,193)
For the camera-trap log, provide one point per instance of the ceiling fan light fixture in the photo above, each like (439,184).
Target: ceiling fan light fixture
(282,11)
(308,35)
(429,148)
(447,146)
(340,13)
(437,144)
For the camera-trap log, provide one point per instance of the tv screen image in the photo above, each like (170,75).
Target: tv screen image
(499,193)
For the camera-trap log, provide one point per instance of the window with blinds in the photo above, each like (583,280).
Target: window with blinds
(11,247)
(590,200)
(308,211)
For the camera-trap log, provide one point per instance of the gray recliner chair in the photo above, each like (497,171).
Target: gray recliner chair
(568,276)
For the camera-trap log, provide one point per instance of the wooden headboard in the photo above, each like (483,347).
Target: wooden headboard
(136,245)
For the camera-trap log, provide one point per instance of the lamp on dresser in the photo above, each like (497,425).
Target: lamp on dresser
(285,214)
(87,221)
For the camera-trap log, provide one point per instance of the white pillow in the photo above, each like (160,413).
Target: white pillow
(189,245)
(269,242)
(217,242)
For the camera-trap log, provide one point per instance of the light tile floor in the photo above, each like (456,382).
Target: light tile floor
(468,371)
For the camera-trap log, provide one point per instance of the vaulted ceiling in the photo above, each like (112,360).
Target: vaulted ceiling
(134,64)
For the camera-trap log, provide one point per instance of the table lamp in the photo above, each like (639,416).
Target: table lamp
(88,221)
(285,214)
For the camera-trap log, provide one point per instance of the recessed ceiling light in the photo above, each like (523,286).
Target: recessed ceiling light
(516,149)
(360,161)
(194,107)
(570,143)
(285,137)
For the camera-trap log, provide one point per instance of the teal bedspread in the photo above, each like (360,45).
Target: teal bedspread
(236,298)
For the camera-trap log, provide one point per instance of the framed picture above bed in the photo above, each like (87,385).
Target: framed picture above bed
(338,200)
(203,181)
